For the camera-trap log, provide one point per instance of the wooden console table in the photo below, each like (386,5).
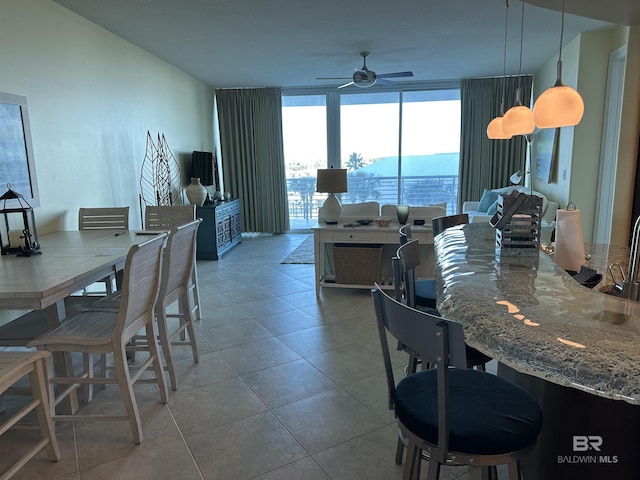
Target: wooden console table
(220,229)
(325,236)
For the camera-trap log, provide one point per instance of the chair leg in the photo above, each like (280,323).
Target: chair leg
(434,470)
(399,450)
(39,388)
(411,462)
(185,306)
(152,336)
(165,343)
(126,391)
(196,291)
(87,361)
(514,471)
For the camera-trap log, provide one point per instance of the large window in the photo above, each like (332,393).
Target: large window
(398,146)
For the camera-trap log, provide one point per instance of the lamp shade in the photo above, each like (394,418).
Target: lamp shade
(495,131)
(518,121)
(332,180)
(558,106)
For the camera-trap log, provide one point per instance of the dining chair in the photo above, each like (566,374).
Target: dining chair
(104,218)
(177,267)
(104,331)
(404,263)
(175,284)
(424,289)
(408,256)
(165,217)
(452,415)
(15,365)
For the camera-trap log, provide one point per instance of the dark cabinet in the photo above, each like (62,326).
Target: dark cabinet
(220,229)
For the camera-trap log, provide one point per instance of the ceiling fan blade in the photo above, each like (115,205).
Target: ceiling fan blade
(346,85)
(384,81)
(395,75)
(333,78)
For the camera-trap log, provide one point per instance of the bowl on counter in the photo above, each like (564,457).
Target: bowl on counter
(364,222)
(382,221)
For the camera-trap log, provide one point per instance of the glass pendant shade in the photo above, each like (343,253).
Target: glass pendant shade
(558,106)
(495,131)
(518,121)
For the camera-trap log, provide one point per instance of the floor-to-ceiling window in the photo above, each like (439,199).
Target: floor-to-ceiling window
(398,145)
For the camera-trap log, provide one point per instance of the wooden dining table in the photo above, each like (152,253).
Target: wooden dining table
(70,261)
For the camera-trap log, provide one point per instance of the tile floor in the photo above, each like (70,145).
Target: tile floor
(289,386)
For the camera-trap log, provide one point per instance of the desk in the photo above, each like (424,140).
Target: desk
(325,235)
(576,350)
(69,262)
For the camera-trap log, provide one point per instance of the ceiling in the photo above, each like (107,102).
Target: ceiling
(288,43)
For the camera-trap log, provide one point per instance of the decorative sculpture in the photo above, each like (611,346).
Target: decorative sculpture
(160,182)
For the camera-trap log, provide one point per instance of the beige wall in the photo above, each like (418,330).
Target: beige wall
(92,97)
(585,63)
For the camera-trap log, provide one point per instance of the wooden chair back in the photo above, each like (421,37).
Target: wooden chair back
(177,266)
(110,218)
(165,217)
(140,287)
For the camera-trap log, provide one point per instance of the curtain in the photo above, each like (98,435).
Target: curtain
(252,153)
(486,163)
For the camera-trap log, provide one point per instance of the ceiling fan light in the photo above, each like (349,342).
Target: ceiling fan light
(495,131)
(558,106)
(518,121)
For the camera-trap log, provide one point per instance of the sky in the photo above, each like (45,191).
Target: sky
(372,131)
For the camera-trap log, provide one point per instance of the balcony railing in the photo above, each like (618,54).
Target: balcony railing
(304,201)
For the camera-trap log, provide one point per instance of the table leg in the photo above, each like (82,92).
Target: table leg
(319,270)
(62,363)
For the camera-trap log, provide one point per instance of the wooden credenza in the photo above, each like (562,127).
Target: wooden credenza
(325,236)
(220,229)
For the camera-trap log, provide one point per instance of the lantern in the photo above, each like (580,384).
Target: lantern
(17,225)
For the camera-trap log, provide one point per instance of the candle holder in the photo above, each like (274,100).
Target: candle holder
(403,214)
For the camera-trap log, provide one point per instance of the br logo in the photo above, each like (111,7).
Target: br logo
(584,443)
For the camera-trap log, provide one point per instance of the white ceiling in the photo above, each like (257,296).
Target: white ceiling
(257,43)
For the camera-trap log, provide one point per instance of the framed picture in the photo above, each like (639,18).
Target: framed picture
(17,166)
(546,153)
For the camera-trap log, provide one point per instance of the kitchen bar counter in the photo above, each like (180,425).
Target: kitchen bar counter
(530,315)
(576,350)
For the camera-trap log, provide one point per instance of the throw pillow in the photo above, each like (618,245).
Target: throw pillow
(488,198)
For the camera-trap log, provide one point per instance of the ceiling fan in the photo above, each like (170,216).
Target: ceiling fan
(365,78)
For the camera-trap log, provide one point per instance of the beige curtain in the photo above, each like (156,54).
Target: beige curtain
(250,122)
(486,163)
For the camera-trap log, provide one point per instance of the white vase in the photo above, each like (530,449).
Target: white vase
(196,193)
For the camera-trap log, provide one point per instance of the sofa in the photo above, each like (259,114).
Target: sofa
(351,212)
(483,210)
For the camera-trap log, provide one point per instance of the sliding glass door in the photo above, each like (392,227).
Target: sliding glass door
(398,146)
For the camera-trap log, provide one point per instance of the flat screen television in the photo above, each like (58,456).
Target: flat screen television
(204,167)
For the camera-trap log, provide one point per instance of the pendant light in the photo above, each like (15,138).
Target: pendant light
(494,129)
(519,119)
(558,106)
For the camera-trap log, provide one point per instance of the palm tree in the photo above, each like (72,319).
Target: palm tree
(355,162)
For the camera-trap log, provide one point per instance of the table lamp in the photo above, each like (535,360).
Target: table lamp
(332,181)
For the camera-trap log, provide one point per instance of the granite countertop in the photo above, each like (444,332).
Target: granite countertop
(529,314)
